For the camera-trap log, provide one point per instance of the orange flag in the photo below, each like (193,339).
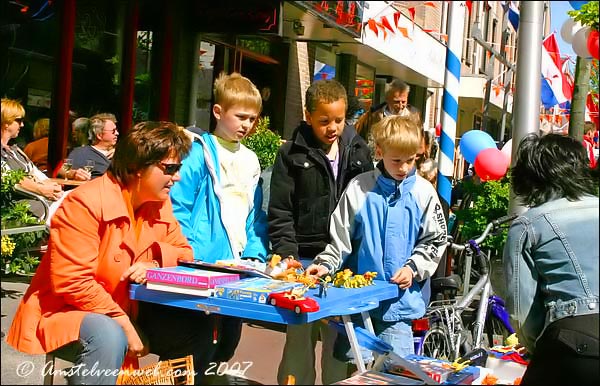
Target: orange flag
(404,32)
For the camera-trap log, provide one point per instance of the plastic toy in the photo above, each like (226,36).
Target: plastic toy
(294,300)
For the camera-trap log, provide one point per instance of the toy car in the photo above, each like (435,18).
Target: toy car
(294,300)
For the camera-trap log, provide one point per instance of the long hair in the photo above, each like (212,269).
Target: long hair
(146,144)
(550,167)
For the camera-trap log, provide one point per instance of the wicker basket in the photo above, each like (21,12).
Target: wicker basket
(170,372)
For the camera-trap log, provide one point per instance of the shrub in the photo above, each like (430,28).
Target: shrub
(15,253)
(489,201)
(264,143)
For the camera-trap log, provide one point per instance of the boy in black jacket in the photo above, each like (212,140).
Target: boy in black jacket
(310,173)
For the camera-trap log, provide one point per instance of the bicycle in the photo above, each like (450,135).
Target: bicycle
(446,336)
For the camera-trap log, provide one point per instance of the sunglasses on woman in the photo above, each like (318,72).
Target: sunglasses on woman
(19,120)
(169,169)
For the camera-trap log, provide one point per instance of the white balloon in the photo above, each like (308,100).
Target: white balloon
(507,149)
(568,30)
(580,42)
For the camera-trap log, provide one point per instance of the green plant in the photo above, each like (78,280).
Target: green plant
(587,15)
(489,202)
(264,143)
(16,248)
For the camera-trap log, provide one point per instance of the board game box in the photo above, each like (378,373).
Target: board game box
(254,289)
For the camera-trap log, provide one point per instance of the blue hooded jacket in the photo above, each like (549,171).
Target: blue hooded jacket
(197,206)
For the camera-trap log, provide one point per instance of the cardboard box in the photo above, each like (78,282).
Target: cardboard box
(189,277)
(254,289)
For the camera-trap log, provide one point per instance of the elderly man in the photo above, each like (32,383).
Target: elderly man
(396,103)
(103,135)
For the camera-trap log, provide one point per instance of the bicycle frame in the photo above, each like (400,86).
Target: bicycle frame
(446,314)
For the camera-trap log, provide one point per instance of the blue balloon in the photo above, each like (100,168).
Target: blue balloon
(577,4)
(474,141)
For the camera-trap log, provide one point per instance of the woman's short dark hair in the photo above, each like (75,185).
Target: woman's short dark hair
(550,167)
(146,144)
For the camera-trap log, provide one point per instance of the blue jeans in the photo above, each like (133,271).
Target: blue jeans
(170,332)
(98,354)
(397,334)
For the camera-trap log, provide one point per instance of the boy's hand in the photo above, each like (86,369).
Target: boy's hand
(403,277)
(317,270)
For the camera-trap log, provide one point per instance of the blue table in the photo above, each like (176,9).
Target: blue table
(338,302)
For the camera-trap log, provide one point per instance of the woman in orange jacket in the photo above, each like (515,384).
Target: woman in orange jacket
(106,234)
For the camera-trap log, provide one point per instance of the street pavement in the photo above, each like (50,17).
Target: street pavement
(259,350)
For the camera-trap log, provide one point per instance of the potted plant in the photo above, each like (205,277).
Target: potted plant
(18,253)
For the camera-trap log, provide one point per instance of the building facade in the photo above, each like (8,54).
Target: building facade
(157,59)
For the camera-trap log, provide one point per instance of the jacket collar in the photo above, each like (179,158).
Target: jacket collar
(304,136)
(389,186)
(114,207)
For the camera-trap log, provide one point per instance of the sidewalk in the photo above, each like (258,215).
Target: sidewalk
(259,350)
(17,368)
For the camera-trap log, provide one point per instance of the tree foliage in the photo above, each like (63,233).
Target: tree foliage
(264,143)
(587,15)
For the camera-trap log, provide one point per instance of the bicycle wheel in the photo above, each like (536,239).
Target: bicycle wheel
(436,343)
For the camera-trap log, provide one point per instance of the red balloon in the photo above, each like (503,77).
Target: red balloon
(592,44)
(491,164)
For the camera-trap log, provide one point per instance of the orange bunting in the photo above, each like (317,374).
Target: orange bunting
(386,24)
(373,26)
(396,18)
(411,10)
(429,4)
(469,5)
(404,32)
(445,37)
(382,29)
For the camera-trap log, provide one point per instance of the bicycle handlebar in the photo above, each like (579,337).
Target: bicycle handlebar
(491,226)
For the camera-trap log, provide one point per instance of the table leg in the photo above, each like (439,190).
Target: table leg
(349,326)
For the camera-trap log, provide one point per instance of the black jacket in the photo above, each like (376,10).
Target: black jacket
(304,193)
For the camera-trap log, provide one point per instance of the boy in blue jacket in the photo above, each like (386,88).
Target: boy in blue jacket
(218,201)
(389,221)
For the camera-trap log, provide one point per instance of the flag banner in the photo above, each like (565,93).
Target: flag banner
(555,86)
(513,15)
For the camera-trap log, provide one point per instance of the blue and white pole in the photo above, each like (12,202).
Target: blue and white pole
(455,25)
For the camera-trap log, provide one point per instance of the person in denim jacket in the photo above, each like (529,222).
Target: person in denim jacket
(551,261)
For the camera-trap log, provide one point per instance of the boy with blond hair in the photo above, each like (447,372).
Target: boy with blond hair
(389,221)
(218,201)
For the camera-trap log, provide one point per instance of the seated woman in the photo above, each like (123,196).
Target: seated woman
(106,234)
(13,158)
(37,151)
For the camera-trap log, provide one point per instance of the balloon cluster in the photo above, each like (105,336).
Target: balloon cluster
(478,148)
(584,40)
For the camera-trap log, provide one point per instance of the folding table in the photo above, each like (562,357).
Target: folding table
(342,302)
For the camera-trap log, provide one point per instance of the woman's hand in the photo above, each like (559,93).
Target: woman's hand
(137,272)
(51,190)
(135,346)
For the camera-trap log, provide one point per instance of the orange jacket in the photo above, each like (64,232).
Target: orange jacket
(92,242)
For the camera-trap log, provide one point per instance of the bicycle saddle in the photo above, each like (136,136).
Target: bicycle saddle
(451,282)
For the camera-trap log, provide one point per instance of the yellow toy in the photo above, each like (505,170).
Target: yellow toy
(346,279)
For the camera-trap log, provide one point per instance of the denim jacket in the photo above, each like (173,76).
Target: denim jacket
(551,265)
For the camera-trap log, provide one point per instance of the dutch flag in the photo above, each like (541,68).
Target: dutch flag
(556,88)
(513,14)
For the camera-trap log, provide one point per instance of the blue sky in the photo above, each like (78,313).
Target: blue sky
(558,12)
